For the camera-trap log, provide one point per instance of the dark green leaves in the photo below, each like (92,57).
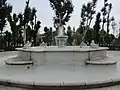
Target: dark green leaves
(63,9)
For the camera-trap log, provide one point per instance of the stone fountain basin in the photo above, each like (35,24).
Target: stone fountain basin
(60,76)
(68,55)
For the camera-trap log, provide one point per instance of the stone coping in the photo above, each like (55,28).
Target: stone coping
(61,85)
(60,49)
(65,36)
(14,61)
(102,61)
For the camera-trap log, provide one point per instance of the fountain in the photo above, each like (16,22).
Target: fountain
(61,54)
(61,66)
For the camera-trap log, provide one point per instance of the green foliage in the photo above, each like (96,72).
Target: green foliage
(48,35)
(106,10)
(33,16)
(87,12)
(7,38)
(5,10)
(108,17)
(20,22)
(97,28)
(14,28)
(109,38)
(69,34)
(89,36)
(27,14)
(63,9)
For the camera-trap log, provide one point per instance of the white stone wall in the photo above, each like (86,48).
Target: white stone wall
(61,57)
(98,54)
(25,56)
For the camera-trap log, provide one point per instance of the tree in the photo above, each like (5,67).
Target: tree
(87,13)
(97,28)
(109,38)
(106,10)
(5,10)
(104,13)
(29,21)
(13,24)
(8,38)
(48,36)
(33,17)
(27,14)
(108,17)
(63,9)
(89,36)
(36,28)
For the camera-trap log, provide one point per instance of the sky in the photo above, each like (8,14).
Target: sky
(45,13)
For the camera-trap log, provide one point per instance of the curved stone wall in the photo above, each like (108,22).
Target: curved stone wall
(58,56)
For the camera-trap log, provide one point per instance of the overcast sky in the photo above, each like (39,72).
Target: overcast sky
(45,12)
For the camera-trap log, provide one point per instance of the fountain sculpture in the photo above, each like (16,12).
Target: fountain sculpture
(61,39)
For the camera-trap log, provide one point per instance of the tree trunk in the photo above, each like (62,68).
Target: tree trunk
(1,37)
(108,23)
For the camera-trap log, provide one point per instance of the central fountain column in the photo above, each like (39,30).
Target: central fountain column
(61,39)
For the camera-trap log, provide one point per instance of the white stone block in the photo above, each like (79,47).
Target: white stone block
(81,57)
(55,58)
(38,58)
(24,55)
